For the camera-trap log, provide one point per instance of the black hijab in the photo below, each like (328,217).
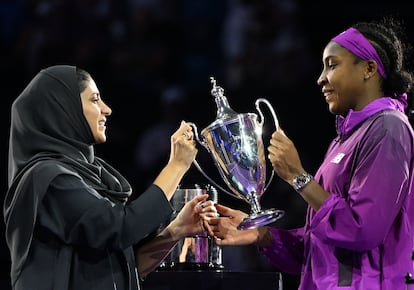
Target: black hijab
(50,136)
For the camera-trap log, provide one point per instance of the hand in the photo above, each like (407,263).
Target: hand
(224,228)
(284,156)
(183,152)
(183,147)
(192,217)
(187,223)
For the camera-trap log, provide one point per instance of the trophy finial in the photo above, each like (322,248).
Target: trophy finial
(223,109)
(213,81)
(216,91)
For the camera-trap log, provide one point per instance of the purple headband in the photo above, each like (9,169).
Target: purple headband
(356,43)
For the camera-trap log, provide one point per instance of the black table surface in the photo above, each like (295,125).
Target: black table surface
(212,280)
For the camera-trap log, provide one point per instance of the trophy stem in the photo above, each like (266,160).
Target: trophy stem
(259,217)
(254,203)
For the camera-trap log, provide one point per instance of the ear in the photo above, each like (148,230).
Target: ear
(371,69)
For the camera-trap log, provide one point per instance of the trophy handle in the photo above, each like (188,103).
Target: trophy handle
(204,144)
(260,100)
(261,122)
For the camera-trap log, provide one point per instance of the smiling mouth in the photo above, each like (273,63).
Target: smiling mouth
(328,95)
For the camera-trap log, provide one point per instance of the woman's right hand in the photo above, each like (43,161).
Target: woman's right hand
(183,153)
(183,146)
(284,156)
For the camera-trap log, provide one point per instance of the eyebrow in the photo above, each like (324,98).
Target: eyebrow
(331,56)
(327,58)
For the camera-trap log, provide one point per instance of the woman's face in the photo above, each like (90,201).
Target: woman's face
(95,111)
(342,79)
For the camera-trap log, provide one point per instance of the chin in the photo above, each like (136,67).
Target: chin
(100,139)
(333,109)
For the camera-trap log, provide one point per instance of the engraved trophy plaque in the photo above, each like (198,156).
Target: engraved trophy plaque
(235,143)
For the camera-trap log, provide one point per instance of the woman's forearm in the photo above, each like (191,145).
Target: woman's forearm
(150,255)
(170,177)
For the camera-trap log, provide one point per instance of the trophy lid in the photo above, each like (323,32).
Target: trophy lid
(224,112)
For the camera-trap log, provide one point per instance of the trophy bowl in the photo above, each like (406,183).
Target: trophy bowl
(236,146)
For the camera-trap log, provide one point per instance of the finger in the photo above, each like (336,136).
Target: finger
(220,241)
(218,236)
(187,135)
(208,215)
(223,210)
(208,208)
(208,227)
(184,126)
(213,221)
(272,149)
(200,199)
(203,228)
(208,203)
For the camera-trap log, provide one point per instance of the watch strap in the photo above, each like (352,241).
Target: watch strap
(301,180)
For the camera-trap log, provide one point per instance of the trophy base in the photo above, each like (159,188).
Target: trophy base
(261,218)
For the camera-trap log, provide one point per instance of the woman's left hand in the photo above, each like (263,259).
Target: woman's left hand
(190,220)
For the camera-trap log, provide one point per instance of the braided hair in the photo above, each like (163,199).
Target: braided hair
(388,37)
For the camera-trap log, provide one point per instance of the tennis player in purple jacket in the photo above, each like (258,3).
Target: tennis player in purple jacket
(359,229)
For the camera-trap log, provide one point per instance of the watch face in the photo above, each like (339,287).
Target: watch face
(301,180)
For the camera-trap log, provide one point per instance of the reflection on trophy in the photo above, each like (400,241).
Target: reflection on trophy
(236,146)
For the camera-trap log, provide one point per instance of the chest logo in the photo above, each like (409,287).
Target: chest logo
(338,158)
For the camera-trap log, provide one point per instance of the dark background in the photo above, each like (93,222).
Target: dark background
(138,50)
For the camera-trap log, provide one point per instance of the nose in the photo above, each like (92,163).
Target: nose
(322,79)
(106,110)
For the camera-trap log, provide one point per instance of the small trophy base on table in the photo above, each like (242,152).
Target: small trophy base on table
(261,218)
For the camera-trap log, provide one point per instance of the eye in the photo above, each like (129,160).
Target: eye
(331,65)
(95,98)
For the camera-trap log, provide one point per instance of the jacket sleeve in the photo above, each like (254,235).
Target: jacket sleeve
(286,251)
(77,214)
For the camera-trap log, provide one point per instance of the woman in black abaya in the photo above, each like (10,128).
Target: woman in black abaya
(68,223)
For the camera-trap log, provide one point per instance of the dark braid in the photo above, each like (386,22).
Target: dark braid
(389,40)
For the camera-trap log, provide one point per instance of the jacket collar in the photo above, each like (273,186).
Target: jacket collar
(345,125)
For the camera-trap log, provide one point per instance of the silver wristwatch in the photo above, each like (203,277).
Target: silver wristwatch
(301,180)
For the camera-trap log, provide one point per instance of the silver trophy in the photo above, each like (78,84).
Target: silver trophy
(236,146)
